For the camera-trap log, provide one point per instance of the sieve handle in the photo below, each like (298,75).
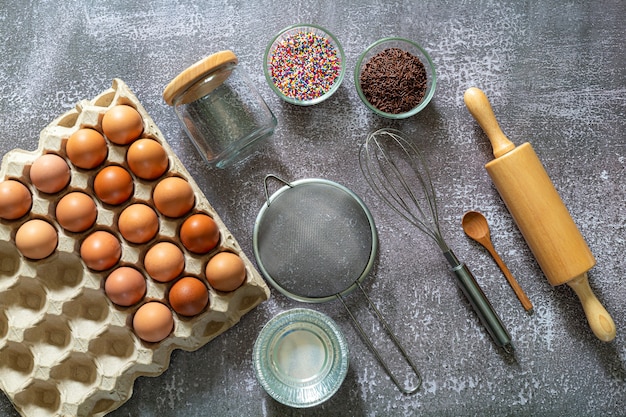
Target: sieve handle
(394,339)
(480,303)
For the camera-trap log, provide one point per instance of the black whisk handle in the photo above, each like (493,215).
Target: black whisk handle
(480,303)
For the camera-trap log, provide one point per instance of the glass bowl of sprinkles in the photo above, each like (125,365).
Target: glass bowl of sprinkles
(395,78)
(304,64)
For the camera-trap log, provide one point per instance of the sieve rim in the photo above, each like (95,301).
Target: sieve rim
(263,211)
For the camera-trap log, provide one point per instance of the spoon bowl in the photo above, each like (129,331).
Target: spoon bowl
(475,226)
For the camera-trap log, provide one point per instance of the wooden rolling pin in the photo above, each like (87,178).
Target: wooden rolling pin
(540,214)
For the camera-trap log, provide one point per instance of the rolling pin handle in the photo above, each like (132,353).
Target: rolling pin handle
(478,105)
(599,319)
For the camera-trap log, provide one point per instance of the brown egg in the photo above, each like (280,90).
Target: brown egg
(36,239)
(100,250)
(138,223)
(173,197)
(164,261)
(86,148)
(188,296)
(113,185)
(15,200)
(225,271)
(199,233)
(147,159)
(50,173)
(122,124)
(125,286)
(76,212)
(153,322)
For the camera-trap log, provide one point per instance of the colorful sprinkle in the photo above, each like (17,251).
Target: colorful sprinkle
(304,65)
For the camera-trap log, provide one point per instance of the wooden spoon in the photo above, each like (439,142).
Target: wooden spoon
(475,226)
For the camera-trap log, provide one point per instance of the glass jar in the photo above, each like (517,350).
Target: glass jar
(219,108)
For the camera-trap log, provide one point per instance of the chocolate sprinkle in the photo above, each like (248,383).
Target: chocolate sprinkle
(394,81)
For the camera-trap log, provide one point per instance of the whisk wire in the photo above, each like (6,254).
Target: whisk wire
(390,180)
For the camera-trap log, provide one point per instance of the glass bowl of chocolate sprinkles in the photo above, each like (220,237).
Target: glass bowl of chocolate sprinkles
(304,64)
(395,78)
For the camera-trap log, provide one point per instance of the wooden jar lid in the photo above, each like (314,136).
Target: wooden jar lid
(197,71)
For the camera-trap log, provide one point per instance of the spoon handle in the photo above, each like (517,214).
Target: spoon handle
(519,292)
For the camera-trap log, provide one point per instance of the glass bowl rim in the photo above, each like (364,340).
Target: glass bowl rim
(274,326)
(430,67)
(336,83)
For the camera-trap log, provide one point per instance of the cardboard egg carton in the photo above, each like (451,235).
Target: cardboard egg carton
(65,348)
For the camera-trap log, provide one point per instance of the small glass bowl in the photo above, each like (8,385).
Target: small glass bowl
(410,47)
(293,80)
(301,358)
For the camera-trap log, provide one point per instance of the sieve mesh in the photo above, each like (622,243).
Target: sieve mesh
(315,239)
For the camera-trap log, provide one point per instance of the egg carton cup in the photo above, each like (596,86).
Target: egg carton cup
(65,348)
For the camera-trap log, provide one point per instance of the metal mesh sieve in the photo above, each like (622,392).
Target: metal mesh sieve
(315,239)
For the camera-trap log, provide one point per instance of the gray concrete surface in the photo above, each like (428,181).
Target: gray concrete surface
(555,72)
